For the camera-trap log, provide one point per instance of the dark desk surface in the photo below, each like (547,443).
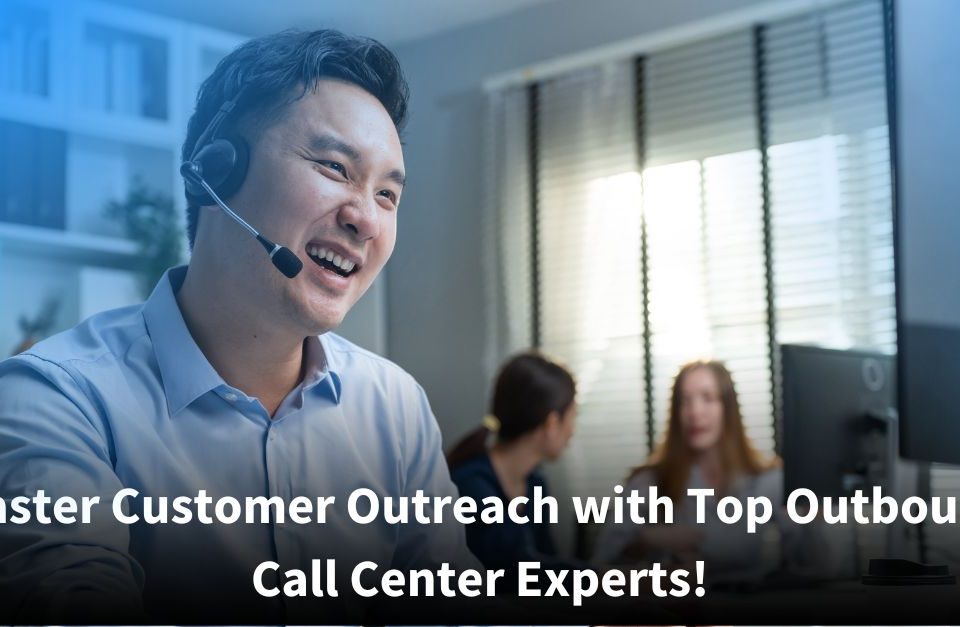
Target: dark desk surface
(847,603)
(844,602)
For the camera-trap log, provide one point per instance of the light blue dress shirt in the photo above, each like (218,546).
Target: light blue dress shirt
(127,400)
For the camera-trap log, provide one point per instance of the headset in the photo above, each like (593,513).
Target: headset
(217,167)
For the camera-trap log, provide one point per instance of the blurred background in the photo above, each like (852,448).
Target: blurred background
(626,184)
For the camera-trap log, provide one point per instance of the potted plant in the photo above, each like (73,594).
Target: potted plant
(36,328)
(149,218)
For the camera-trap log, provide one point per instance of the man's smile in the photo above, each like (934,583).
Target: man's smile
(333,259)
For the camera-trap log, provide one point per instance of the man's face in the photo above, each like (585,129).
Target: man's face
(324,180)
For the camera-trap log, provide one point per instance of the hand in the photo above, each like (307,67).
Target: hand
(674,539)
(687,560)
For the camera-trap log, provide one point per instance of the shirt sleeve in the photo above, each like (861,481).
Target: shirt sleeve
(614,538)
(425,468)
(52,440)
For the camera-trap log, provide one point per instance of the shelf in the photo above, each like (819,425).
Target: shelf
(113,127)
(129,67)
(78,248)
(120,84)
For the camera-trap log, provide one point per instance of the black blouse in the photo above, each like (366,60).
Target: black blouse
(502,545)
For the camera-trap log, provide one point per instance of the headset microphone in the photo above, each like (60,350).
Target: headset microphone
(283,258)
(217,167)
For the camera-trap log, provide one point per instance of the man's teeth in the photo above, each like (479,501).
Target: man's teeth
(322,253)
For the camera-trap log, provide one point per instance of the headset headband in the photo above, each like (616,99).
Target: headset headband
(210,133)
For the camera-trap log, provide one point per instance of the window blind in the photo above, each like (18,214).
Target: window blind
(830,188)
(757,165)
(704,213)
(829,157)
(507,227)
(589,265)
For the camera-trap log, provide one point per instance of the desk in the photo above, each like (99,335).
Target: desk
(843,602)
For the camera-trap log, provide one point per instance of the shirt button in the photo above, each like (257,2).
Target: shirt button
(230,396)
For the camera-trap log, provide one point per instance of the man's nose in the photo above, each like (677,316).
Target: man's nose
(358,215)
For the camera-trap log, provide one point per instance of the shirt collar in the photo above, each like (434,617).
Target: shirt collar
(184,370)
(320,368)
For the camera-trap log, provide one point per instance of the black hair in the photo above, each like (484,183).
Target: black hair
(528,388)
(271,68)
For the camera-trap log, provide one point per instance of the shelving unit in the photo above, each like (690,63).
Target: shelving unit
(91,96)
(68,247)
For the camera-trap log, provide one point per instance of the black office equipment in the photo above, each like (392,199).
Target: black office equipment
(838,418)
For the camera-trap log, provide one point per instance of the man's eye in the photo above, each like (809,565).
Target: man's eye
(386,193)
(333,165)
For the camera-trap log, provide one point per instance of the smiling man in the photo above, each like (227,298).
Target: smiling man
(228,379)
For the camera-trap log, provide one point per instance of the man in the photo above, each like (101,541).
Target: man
(227,379)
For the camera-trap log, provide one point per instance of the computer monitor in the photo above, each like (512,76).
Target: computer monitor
(838,417)
(927,228)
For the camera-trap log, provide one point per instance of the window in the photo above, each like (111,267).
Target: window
(708,200)
(704,212)
(589,268)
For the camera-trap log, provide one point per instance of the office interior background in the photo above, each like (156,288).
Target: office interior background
(627,185)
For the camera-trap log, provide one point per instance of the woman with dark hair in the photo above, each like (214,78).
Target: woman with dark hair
(706,446)
(531,420)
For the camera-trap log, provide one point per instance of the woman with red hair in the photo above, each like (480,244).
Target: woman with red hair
(705,446)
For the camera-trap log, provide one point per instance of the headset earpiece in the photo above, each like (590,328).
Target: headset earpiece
(216,170)
(223,165)
(221,161)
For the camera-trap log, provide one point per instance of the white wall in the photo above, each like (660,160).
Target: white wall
(366,324)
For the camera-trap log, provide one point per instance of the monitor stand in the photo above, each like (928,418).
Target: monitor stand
(903,480)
